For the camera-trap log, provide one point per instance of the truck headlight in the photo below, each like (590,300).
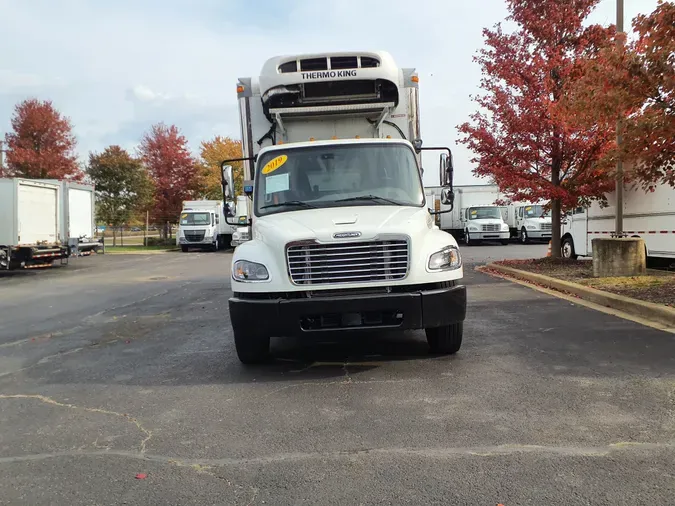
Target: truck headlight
(473,228)
(243,270)
(532,227)
(505,227)
(446,259)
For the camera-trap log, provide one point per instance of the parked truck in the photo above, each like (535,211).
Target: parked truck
(240,234)
(476,217)
(202,225)
(649,215)
(529,221)
(77,217)
(342,239)
(30,228)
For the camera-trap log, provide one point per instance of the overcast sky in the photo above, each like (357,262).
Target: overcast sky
(116,67)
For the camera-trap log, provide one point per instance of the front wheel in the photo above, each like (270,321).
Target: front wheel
(567,249)
(524,238)
(467,239)
(251,348)
(504,241)
(184,249)
(445,340)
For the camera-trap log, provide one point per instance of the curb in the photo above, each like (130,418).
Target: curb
(648,310)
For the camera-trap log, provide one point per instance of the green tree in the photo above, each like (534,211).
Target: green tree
(122,185)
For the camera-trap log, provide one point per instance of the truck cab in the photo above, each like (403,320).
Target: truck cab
(484,223)
(202,225)
(341,236)
(530,222)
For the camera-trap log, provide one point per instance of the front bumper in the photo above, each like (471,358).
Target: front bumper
(490,236)
(284,317)
(207,241)
(539,234)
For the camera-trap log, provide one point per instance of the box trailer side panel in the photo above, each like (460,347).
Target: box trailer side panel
(80,213)
(8,231)
(37,211)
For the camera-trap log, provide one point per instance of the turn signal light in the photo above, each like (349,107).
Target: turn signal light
(240,89)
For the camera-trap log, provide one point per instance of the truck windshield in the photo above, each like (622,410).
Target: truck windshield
(481,213)
(334,176)
(195,219)
(535,212)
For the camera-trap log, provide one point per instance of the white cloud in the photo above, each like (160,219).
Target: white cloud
(117,67)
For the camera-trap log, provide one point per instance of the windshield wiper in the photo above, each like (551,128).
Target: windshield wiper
(298,203)
(370,197)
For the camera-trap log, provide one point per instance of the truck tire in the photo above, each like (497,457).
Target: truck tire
(504,241)
(251,348)
(567,249)
(184,249)
(524,238)
(445,340)
(467,239)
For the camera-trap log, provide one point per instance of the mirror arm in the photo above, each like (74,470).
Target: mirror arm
(433,213)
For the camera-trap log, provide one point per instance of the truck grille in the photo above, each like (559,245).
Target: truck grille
(546,226)
(492,227)
(352,262)
(194,235)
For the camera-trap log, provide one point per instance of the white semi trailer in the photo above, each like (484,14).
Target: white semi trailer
(341,237)
(30,224)
(649,215)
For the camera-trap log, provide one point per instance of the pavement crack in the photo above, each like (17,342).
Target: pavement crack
(206,466)
(48,400)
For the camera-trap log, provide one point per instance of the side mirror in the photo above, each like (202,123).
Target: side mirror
(445,169)
(228,182)
(447,197)
(230,209)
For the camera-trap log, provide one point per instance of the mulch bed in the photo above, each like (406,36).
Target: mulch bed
(657,287)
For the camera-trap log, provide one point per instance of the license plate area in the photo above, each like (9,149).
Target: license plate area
(352,320)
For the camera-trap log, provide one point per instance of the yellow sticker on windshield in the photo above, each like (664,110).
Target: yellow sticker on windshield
(274,164)
(184,215)
(474,211)
(528,208)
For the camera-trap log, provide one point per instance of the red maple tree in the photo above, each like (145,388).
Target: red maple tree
(634,85)
(41,145)
(166,155)
(519,139)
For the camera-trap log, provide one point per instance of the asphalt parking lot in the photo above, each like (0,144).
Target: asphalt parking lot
(119,384)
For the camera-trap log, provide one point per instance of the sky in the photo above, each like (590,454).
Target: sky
(116,67)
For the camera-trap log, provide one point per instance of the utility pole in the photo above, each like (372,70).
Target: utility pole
(618,225)
(2,155)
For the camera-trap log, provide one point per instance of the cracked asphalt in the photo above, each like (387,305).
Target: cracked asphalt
(124,364)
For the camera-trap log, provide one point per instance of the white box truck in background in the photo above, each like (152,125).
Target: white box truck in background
(649,215)
(77,217)
(241,217)
(30,229)
(342,239)
(202,225)
(529,221)
(476,217)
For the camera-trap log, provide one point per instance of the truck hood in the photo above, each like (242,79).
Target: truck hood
(321,224)
(535,221)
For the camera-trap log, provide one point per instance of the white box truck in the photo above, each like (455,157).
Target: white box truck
(342,239)
(529,221)
(77,217)
(476,217)
(649,215)
(202,225)
(30,229)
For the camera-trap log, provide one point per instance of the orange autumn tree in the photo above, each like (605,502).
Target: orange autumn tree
(633,85)
(41,144)
(212,153)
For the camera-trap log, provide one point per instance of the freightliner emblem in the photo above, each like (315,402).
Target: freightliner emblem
(345,235)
